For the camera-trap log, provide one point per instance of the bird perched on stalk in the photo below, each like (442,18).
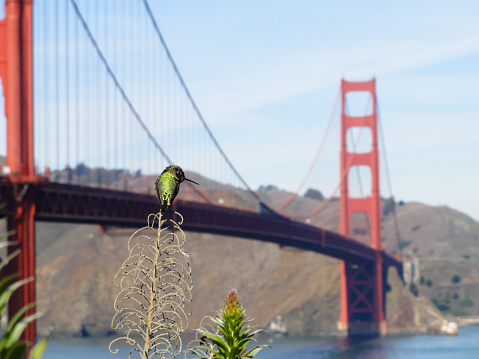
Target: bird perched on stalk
(167,186)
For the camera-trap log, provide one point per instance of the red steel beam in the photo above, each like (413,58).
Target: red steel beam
(16,73)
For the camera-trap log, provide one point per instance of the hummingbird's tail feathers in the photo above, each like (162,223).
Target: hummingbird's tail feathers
(166,209)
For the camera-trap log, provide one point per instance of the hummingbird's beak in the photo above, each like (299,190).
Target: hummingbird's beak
(192,181)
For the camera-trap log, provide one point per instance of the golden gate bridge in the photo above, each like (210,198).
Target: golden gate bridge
(94,102)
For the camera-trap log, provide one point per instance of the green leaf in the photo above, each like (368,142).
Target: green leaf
(235,352)
(5,294)
(6,340)
(19,328)
(251,353)
(216,339)
(243,342)
(39,349)
(17,351)
(4,244)
(211,350)
(255,332)
(5,282)
(197,352)
(190,351)
(17,317)
(246,330)
(229,337)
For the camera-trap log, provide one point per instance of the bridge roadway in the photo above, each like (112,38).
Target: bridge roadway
(56,202)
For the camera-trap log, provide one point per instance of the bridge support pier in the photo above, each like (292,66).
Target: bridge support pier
(362,311)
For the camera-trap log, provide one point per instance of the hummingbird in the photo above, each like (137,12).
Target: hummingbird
(167,186)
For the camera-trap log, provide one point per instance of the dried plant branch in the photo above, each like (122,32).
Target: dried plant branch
(155,287)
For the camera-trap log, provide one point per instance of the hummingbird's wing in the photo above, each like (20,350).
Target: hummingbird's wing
(176,190)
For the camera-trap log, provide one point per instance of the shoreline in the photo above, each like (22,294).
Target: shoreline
(268,336)
(460,321)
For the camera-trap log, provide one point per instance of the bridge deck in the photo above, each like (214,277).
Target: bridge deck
(78,204)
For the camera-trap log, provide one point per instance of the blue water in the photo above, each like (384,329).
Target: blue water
(463,346)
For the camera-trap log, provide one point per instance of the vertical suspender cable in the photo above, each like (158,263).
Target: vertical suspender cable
(77,105)
(121,56)
(156,101)
(116,121)
(154,93)
(57,94)
(117,112)
(137,79)
(146,99)
(169,115)
(46,92)
(99,147)
(151,94)
(67,93)
(141,80)
(131,81)
(125,114)
(386,166)
(144,155)
(88,99)
(106,106)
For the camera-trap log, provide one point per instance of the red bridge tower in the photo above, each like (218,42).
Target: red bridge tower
(16,75)
(362,305)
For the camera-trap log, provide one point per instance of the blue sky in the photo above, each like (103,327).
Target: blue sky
(265,75)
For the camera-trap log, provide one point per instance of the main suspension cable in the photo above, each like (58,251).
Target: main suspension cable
(116,82)
(122,91)
(193,103)
(341,180)
(295,193)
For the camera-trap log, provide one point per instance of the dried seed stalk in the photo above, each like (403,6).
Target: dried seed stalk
(155,287)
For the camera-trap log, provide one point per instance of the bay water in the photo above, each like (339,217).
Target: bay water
(463,346)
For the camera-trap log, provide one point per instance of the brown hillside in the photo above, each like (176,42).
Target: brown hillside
(297,289)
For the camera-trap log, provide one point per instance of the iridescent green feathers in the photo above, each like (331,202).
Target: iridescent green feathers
(167,186)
